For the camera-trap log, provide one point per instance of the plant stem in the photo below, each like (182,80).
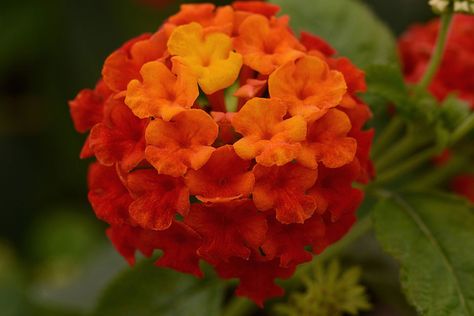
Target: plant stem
(409,165)
(239,306)
(389,133)
(463,129)
(441,174)
(438,52)
(403,148)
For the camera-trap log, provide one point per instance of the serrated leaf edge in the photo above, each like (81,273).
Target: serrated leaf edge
(410,211)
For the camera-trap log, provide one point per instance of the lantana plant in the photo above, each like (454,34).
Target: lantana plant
(227,143)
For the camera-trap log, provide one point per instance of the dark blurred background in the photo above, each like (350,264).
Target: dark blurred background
(49,50)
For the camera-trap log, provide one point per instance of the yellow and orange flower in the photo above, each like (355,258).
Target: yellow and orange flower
(308,86)
(223,178)
(162,94)
(210,57)
(267,136)
(182,143)
(223,137)
(266,43)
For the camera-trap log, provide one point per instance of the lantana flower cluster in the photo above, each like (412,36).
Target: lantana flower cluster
(455,74)
(223,137)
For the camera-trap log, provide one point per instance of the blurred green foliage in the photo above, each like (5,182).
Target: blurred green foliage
(161,292)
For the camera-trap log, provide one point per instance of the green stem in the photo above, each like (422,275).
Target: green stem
(438,52)
(463,129)
(388,135)
(441,174)
(239,306)
(402,149)
(409,165)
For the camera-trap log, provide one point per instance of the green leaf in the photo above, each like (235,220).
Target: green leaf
(348,25)
(147,290)
(432,236)
(386,81)
(454,111)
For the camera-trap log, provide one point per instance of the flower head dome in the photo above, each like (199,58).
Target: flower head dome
(223,137)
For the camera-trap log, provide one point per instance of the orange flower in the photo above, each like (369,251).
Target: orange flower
(182,143)
(248,8)
(206,14)
(284,189)
(327,142)
(210,57)
(266,45)
(161,94)
(308,86)
(256,7)
(266,136)
(124,64)
(223,178)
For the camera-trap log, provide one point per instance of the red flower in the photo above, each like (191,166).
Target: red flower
(334,193)
(464,185)
(108,196)
(416,47)
(157,199)
(288,242)
(228,230)
(283,189)
(87,109)
(120,137)
(178,243)
(257,277)
(224,137)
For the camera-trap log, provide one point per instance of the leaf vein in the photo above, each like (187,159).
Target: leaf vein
(410,211)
